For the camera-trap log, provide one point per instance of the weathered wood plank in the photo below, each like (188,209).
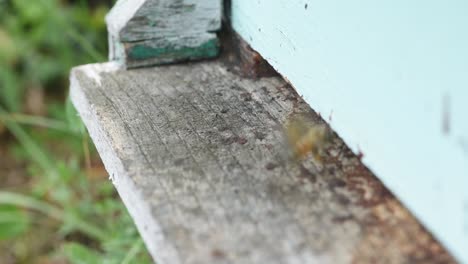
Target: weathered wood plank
(392,75)
(150,32)
(198,156)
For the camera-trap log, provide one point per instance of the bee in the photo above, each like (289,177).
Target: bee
(305,137)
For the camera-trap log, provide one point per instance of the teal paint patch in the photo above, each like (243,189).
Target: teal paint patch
(208,49)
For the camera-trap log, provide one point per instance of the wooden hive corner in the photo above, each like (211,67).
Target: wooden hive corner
(151,32)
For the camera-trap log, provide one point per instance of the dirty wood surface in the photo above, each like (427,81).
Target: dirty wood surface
(197,155)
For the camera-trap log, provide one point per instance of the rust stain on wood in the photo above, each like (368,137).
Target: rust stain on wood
(389,224)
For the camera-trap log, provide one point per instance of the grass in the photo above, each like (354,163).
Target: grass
(64,209)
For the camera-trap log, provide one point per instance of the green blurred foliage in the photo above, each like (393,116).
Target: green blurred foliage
(78,254)
(66,210)
(13,222)
(41,40)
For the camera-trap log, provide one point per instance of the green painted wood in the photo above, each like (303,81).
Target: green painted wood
(151,32)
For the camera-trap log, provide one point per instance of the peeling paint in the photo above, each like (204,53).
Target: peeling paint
(153,32)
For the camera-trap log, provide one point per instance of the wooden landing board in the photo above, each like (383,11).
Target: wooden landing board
(198,157)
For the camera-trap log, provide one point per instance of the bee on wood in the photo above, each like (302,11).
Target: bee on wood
(305,137)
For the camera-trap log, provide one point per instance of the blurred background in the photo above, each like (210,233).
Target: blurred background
(56,202)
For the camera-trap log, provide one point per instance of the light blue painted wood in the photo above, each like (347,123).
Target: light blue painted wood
(393,76)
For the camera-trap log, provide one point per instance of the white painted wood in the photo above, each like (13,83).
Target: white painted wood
(198,156)
(121,13)
(392,77)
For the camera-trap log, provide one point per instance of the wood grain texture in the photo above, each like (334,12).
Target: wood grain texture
(150,32)
(198,156)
